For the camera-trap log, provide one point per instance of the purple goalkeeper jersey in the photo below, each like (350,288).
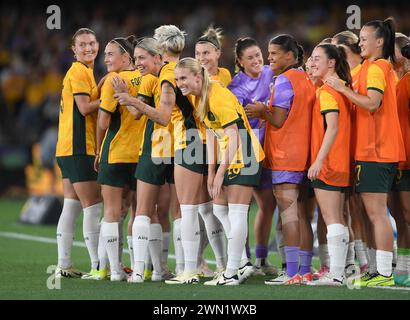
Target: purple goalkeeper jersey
(248,90)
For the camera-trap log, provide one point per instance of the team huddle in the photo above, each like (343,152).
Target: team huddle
(159,135)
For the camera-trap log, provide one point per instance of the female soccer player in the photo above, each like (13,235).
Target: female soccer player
(252,83)
(75,154)
(188,178)
(208,52)
(118,142)
(399,203)
(240,168)
(287,144)
(330,154)
(379,145)
(359,221)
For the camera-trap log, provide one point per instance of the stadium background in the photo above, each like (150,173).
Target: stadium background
(33,61)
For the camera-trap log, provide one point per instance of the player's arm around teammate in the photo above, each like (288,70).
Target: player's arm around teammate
(379,145)
(240,168)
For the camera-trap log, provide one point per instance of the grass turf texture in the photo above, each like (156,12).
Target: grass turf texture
(24,263)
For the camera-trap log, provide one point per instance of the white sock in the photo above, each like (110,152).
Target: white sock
(91,231)
(140,239)
(131,251)
(148,261)
(372,261)
(65,231)
(120,238)
(110,234)
(203,240)
(244,257)
(350,253)
(190,235)
(221,212)
(323,253)
(394,252)
(384,262)
(280,245)
(337,249)
(238,217)
(360,250)
(179,250)
(155,246)
(346,240)
(102,252)
(165,249)
(215,232)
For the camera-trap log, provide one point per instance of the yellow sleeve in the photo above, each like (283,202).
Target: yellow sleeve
(169,77)
(224,109)
(375,79)
(108,103)
(147,86)
(79,81)
(327,102)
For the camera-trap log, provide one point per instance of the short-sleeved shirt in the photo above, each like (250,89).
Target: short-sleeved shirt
(122,140)
(76,133)
(376,79)
(248,90)
(327,103)
(283,97)
(225,110)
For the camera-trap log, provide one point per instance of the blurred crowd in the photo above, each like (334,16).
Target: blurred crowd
(33,59)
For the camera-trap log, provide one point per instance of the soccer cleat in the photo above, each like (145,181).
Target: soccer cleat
(156,276)
(285,280)
(265,270)
(322,271)
(166,274)
(374,280)
(204,271)
(277,280)
(147,274)
(307,278)
(245,272)
(135,278)
(68,273)
(184,278)
(215,279)
(118,276)
(327,280)
(221,280)
(96,275)
(400,279)
(126,269)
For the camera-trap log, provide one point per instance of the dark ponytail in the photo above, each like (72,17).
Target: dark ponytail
(342,68)
(240,46)
(126,45)
(288,43)
(386,30)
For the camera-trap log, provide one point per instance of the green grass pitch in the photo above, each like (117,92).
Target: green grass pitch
(24,263)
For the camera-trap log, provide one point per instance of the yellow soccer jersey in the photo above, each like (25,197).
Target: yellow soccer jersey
(76,133)
(123,138)
(375,79)
(224,77)
(327,102)
(225,110)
